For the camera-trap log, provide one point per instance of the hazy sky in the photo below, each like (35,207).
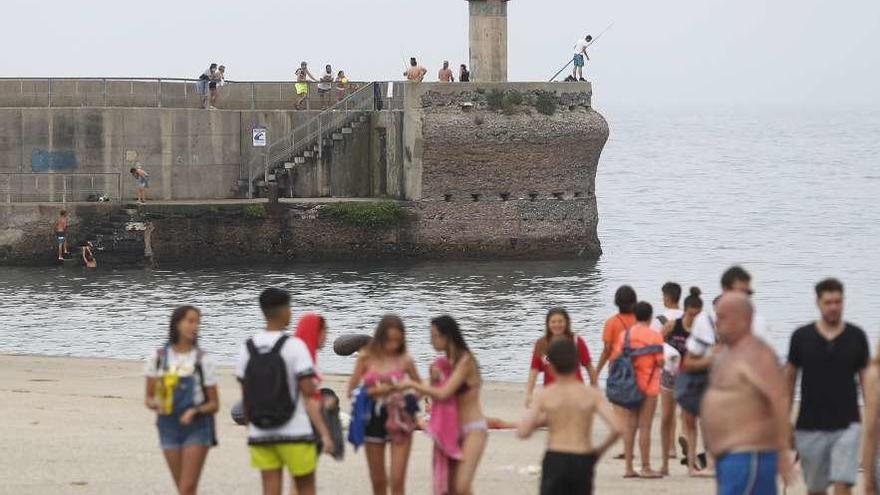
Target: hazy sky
(676,52)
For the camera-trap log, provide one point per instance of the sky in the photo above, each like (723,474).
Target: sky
(802,53)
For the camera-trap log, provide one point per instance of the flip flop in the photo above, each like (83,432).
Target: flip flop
(631,476)
(619,457)
(653,475)
(346,345)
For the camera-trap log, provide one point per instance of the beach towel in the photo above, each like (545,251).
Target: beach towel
(361,412)
(401,422)
(444,430)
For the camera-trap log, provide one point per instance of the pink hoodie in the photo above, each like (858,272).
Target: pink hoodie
(444,430)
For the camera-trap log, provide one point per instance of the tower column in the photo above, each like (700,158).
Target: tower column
(488,40)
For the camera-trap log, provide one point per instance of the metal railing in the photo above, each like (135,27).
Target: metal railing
(60,187)
(370,97)
(163,92)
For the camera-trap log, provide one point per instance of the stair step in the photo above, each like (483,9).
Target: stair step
(337,136)
(299,160)
(347,130)
(289,165)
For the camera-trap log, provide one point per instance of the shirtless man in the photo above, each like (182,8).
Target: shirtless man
(745,408)
(445,74)
(415,73)
(568,408)
(60,229)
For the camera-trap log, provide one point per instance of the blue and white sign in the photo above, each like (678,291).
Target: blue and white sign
(259,135)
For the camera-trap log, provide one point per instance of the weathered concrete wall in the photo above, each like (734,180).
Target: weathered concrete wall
(151,93)
(189,154)
(488,40)
(227,234)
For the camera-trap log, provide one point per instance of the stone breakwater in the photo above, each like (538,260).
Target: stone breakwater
(465,170)
(265,232)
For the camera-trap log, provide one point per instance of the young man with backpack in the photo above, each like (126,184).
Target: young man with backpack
(276,374)
(634,384)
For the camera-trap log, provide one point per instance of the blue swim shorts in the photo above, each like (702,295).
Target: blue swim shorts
(59,236)
(578,60)
(752,473)
(173,435)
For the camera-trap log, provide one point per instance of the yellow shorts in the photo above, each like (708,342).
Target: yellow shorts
(301,88)
(301,459)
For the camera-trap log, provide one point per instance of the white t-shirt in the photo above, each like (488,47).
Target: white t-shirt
(185,365)
(670,314)
(326,81)
(580,46)
(703,331)
(299,364)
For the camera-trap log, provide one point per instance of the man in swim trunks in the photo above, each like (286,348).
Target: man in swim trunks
(745,409)
(415,73)
(445,74)
(302,83)
(569,408)
(60,229)
(580,52)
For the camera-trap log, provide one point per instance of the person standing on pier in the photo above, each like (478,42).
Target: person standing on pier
(831,356)
(580,53)
(302,83)
(415,73)
(445,74)
(142,178)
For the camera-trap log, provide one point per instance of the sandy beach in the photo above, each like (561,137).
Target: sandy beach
(75,425)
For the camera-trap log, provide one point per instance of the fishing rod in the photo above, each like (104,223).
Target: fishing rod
(595,39)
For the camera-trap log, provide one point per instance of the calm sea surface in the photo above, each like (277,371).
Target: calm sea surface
(682,194)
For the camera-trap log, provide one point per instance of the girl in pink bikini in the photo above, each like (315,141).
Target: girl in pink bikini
(464,384)
(380,366)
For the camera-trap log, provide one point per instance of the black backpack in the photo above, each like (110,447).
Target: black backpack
(267,400)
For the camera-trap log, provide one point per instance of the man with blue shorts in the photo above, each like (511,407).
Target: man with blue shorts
(580,53)
(745,408)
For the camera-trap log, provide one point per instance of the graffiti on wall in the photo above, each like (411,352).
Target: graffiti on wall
(53,161)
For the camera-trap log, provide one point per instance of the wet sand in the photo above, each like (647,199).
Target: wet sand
(75,425)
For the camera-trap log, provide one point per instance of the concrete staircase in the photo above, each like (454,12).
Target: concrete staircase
(307,143)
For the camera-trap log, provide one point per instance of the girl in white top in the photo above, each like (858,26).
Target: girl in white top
(182,389)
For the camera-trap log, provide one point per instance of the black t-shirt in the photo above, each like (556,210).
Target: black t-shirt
(829,394)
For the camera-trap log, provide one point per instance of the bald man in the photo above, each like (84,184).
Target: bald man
(745,409)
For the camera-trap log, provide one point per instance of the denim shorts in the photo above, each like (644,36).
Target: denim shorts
(173,435)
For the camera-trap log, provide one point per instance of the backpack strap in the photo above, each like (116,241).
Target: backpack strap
(279,344)
(251,347)
(162,358)
(627,349)
(201,372)
(648,349)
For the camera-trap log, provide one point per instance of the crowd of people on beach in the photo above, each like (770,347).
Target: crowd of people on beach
(711,361)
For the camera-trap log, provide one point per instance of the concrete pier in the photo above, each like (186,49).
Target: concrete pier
(488,40)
